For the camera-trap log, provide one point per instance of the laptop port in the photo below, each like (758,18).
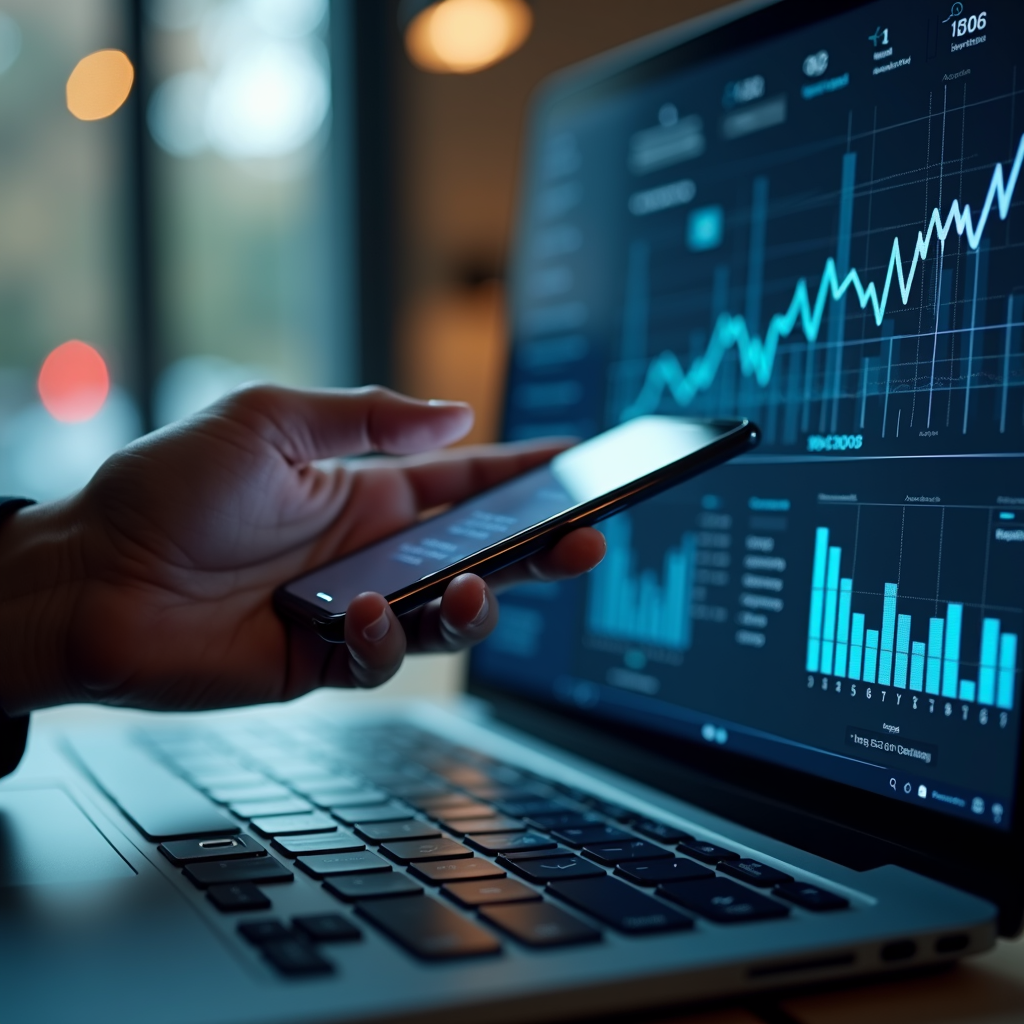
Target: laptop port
(904,949)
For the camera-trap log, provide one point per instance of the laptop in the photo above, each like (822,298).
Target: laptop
(774,739)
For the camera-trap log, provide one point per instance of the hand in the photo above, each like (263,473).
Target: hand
(152,586)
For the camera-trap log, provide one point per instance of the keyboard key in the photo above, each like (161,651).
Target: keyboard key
(323,864)
(706,852)
(614,811)
(429,929)
(350,797)
(318,842)
(241,896)
(659,831)
(388,831)
(810,897)
(256,791)
(216,778)
(562,820)
(437,872)
(556,851)
(295,957)
(539,924)
(552,869)
(410,792)
(754,872)
(265,808)
(462,812)
(334,784)
(442,801)
(251,869)
(620,906)
(530,808)
(722,901)
(370,887)
(654,872)
(293,824)
(509,842)
(495,890)
(366,815)
(425,849)
(326,928)
(258,932)
(590,835)
(483,826)
(619,853)
(187,851)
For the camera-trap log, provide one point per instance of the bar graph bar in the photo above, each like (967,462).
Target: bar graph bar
(635,606)
(934,680)
(840,644)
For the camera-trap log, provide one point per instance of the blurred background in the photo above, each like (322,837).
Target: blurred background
(195,194)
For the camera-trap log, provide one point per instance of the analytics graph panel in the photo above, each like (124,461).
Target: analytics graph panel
(882,614)
(904,334)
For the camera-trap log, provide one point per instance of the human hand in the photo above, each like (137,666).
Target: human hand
(152,586)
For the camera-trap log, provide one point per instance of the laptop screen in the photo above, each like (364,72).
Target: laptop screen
(820,229)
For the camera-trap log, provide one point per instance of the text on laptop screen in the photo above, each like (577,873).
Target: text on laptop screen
(824,232)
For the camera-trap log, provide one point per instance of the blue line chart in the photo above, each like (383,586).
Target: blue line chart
(757,354)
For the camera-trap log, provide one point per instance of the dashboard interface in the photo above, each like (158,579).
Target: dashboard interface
(822,231)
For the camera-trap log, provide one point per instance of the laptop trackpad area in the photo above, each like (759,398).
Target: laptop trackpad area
(45,839)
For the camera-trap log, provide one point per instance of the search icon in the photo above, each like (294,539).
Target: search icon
(892,785)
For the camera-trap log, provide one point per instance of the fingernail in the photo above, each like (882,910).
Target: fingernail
(378,629)
(485,607)
(442,403)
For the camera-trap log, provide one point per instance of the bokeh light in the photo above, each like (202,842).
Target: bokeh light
(73,382)
(463,36)
(99,84)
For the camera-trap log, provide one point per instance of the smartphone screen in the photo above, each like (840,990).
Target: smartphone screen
(572,480)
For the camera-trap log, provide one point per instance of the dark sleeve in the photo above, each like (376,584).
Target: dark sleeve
(13,731)
(13,734)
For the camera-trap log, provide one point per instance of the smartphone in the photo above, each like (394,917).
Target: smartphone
(517,518)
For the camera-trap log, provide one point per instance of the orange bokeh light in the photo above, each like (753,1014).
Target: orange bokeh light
(73,382)
(99,84)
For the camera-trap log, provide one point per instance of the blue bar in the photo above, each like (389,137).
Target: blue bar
(817,598)
(917,666)
(1007,668)
(951,655)
(828,629)
(843,627)
(638,607)
(888,629)
(935,627)
(856,646)
(967,689)
(902,650)
(988,661)
(870,656)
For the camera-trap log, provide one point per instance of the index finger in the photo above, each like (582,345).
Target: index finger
(444,477)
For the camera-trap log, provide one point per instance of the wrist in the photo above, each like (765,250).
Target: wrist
(40,578)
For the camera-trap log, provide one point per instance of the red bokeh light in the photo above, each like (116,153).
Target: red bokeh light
(73,382)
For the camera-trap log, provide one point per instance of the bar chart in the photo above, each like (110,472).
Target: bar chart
(635,606)
(840,644)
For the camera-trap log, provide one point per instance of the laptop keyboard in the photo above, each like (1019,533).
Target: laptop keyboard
(444,850)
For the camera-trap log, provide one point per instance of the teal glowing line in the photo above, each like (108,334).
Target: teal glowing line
(757,355)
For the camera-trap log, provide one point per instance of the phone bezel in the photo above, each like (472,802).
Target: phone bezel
(736,437)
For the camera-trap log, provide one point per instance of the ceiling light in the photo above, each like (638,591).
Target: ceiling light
(463,36)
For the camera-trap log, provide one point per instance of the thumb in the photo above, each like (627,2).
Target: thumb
(319,424)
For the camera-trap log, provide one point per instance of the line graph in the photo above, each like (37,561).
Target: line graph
(666,376)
